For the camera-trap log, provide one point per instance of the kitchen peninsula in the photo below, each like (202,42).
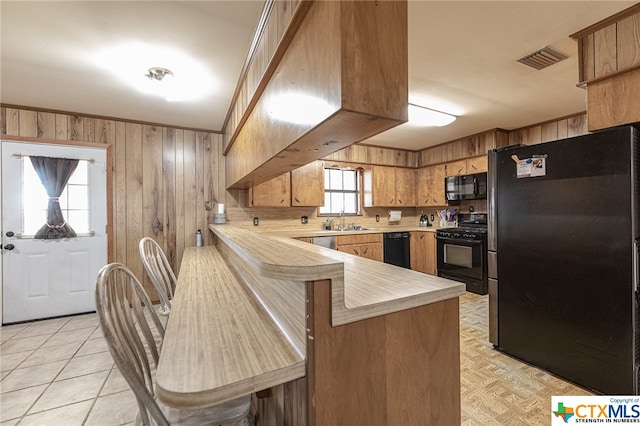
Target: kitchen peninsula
(379,345)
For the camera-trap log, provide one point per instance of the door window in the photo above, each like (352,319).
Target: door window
(74,200)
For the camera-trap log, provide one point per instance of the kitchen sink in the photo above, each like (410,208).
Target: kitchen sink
(354,229)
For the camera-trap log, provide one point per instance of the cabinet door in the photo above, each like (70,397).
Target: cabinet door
(371,251)
(430,186)
(477,164)
(423,252)
(419,251)
(384,186)
(272,193)
(405,187)
(307,185)
(457,168)
(431,253)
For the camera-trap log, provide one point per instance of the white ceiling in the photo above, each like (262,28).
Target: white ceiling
(460,52)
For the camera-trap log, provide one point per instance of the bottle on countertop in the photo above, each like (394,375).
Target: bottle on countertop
(199,238)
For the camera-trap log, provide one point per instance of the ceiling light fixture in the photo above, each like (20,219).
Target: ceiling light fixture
(158,73)
(420,116)
(182,78)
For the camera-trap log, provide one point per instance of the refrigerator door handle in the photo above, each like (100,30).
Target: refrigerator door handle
(636,269)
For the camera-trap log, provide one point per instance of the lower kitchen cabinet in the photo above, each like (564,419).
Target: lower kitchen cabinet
(423,252)
(363,245)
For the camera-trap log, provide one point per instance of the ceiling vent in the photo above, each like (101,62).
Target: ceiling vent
(542,58)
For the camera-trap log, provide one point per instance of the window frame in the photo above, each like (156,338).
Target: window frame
(357,191)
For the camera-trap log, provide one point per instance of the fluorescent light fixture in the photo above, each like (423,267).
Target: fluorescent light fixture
(420,116)
(298,108)
(133,62)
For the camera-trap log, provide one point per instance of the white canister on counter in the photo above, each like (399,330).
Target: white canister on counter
(199,238)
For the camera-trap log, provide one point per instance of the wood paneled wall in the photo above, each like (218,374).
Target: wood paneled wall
(367,154)
(610,46)
(262,59)
(162,177)
(470,146)
(566,127)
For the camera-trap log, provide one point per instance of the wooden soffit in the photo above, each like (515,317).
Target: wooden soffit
(349,58)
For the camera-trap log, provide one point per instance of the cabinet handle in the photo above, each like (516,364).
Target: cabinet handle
(391,201)
(365,251)
(356,252)
(296,200)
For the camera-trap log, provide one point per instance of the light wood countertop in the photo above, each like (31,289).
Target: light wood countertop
(219,342)
(361,288)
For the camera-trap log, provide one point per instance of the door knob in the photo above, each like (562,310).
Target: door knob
(10,234)
(9,247)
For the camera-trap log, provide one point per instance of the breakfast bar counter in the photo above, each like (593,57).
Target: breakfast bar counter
(317,336)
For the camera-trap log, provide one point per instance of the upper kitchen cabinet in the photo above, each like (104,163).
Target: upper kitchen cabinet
(430,186)
(349,59)
(275,192)
(456,168)
(386,186)
(307,185)
(477,164)
(301,187)
(609,67)
(467,166)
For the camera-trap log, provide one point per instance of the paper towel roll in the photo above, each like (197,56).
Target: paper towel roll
(220,208)
(395,215)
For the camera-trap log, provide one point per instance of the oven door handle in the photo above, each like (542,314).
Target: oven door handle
(459,240)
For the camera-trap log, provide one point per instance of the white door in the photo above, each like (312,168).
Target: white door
(47,278)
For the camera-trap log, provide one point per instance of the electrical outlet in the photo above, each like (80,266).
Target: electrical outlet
(433,218)
(256,221)
(304,220)
(377,218)
(471,209)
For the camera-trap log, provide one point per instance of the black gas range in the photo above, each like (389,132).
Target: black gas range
(462,252)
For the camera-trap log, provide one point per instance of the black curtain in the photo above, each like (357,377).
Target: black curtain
(54,173)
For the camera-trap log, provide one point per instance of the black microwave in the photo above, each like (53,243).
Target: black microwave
(466,187)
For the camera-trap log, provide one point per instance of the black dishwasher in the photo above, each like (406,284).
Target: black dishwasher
(397,249)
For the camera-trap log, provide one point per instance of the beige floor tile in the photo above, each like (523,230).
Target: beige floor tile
(70,391)
(93,346)
(98,334)
(103,412)
(87,364)
(62,337)
(115,383)
(15,404)
(52,353)
(20,345)
(69,415)
(38,328)
(81,321)
(8,331)
(10,361)
(21,378)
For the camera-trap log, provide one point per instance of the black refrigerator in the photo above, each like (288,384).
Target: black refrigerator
(563,257)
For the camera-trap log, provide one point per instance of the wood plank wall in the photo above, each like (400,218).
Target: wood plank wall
(609,47)
(261,61)
(162,177)
(566,127)
(470,146)
(367,154)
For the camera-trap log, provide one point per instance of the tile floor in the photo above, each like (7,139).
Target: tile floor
(60,372)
